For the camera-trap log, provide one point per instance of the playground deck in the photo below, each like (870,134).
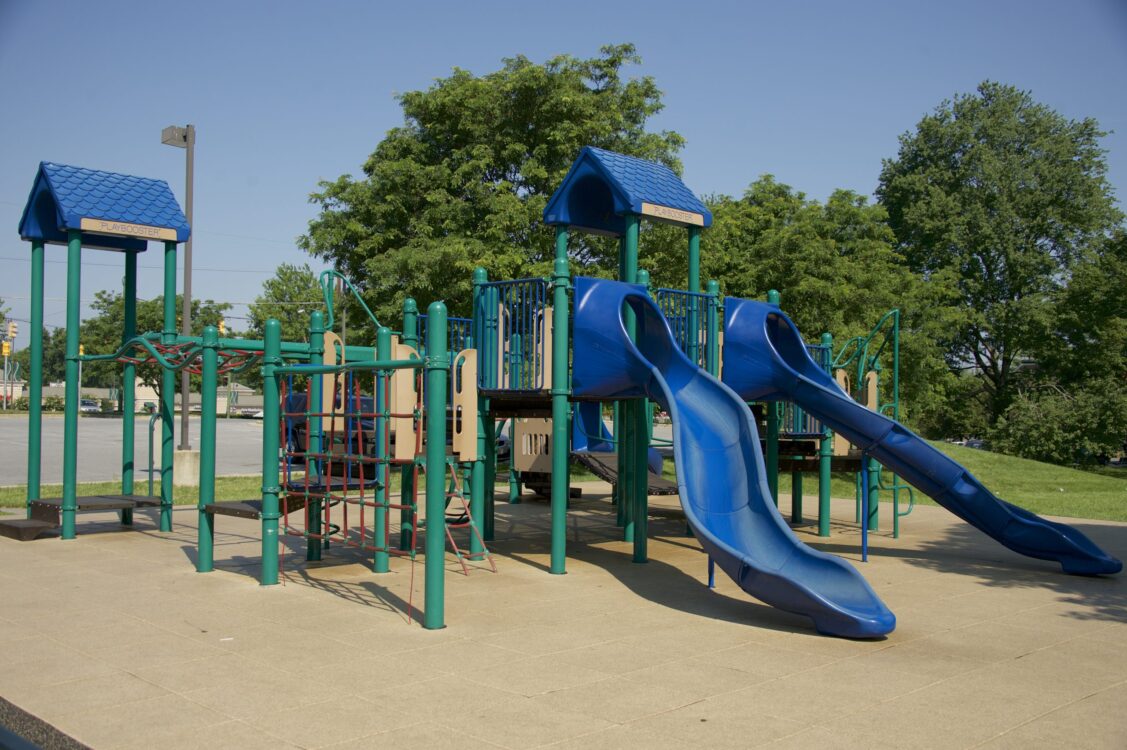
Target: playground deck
(114,639)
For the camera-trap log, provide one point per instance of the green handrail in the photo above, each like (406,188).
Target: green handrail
(326,280)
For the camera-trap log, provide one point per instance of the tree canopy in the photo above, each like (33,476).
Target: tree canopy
(464,181)
(289,296)
(1000,196)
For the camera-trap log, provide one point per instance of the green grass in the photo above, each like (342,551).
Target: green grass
(1042,488)
(1039,487)
(226,488)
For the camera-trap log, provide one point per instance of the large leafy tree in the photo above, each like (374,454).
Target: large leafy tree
(1002,196)
(464,181)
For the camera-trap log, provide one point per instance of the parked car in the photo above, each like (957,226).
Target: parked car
(89,406)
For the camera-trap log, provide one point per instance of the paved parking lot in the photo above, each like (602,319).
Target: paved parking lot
(238,447)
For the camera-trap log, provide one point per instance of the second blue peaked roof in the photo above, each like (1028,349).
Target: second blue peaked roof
(603,186)
(112,211)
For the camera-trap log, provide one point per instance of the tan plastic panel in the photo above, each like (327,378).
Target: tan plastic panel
(402,400)
(464,373)
(532,444)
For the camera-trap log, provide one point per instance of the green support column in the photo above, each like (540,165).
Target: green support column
(271,358)
(381,562)
(712,358)
(874,467)
(70,415)
(561,443)
(825,459)
(772,457)
(209,393)
(35,378)
(634,415)
(693,322)
(407,473)
(437,370)
(167,388)
(621,495)
(643,428)
(128,385)
(488,525)
(314,438)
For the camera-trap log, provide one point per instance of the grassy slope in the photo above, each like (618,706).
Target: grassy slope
(1039,487)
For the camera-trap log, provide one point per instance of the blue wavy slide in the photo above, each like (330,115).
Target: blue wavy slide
(765,359)
(720,474)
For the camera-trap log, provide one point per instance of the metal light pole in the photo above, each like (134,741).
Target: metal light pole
(185,138)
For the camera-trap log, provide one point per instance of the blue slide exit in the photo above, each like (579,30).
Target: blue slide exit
(720,473)
(765,359)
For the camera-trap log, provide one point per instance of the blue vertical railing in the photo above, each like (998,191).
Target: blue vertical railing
(514,312)
(795,422)
(688,316)
(461,333)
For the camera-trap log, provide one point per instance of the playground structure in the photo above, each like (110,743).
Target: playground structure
(368,411)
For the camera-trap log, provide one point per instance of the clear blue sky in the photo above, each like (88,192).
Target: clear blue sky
(285,94)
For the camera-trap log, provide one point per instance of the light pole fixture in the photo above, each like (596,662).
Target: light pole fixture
(185,138)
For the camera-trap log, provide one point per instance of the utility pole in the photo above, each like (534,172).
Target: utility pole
(185,138)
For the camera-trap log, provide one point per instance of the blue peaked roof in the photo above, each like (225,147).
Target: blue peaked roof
(602,186)
(113,205)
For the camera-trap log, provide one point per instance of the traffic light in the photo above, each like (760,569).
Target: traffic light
(222,327)
(13,329)
(81,350)
(6,348)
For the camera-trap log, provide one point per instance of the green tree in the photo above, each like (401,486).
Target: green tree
(464,181)
(1082,426)
(288,297)
(101,334)
(1000,195)
(54,356)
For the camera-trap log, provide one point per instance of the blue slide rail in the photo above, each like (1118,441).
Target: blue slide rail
(765,359)
(720,473)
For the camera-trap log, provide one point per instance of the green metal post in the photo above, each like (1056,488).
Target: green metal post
(35,378)
(128,385)
(875,468)
(825,459)
(634,414)
(772,457)
(712,358)
(272,357)
(693,322)
(314,438)
(561,443)
(485,338)
(437,370)
(621,493)
(209,392)
(70,415)
(381,562)
(896,485)
(407,473)
(167,388)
